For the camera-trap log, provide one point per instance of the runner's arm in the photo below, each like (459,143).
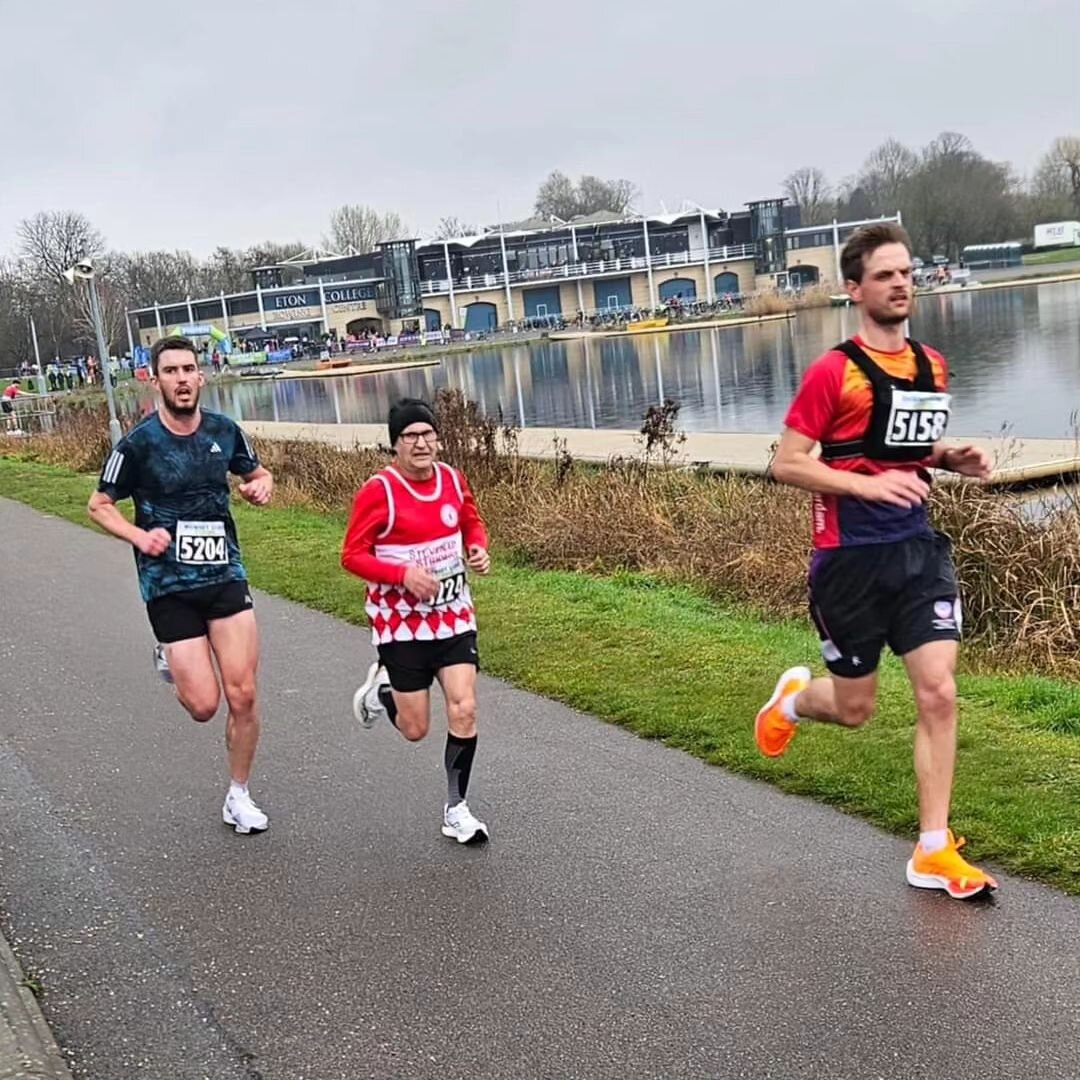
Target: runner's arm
(809,421)
(117,482)
(257,486)
(966,460)
(473,530)
(939,459)
(257,482)
(368,520)
(794,465)
(106,514)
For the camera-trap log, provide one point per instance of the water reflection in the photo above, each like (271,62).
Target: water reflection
(1014,356)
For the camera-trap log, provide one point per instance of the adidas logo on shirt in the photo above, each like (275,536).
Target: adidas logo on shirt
(214,448)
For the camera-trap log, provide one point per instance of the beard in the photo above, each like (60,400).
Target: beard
(888,316)
(174,407)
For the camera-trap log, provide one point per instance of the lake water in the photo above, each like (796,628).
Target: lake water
(1014,356)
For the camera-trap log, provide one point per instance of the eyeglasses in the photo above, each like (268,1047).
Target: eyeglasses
(411,438)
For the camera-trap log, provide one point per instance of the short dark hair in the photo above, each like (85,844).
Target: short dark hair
(174,342)
(865,241)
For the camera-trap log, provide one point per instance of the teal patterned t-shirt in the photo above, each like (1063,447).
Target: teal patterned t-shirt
(180,483)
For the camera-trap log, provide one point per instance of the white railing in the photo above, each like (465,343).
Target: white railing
(600,268)
(29,413)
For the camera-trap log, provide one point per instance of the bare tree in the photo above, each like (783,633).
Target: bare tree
(49,244)
(884,173)
(559,197)
(147,277)
(853,201)
(594,195)
(112,305)
(957,197)
(808,189)
(53,242)
(1050,181)
(361,228)
(1047,197)
(15,309)
(270,253)
(1065,157)
(226,270)
(451,227)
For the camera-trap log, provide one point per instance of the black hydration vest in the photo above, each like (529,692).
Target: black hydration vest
(907,417)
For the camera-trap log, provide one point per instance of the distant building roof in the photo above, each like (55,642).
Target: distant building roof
(539,224)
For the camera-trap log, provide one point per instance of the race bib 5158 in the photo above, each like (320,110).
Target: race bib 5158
(917,418)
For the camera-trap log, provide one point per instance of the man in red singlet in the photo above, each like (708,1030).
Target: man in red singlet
(878,406)
(414,532)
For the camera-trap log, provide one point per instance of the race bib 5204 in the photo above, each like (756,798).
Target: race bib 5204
(202,543)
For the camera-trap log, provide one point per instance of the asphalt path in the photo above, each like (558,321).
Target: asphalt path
(637,914)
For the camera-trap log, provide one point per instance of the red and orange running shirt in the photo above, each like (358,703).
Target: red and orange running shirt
(834,404)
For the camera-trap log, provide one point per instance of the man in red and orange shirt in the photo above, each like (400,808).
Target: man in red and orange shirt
(878,405)
(413,534)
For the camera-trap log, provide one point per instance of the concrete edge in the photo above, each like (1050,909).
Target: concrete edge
(27,1047)
(368,436)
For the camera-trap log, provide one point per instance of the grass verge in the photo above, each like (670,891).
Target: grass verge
(670,664)
(1061,255)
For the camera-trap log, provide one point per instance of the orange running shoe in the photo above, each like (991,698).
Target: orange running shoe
(945,869)
(772,729)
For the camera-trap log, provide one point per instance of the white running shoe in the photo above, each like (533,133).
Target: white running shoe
(240,812)
(367,706)
(161,664)
(459,823)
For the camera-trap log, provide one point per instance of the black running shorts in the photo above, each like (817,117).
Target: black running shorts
(902,594)
(182,615)
(413,665)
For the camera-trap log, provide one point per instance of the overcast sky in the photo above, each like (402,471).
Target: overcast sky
(191,124)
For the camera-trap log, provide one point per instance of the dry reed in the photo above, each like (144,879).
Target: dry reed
(737,539)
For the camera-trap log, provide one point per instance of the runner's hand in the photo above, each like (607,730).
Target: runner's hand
(257,491)
(479,559)
(967,460)
(154,542)
(894,487)
(421,583)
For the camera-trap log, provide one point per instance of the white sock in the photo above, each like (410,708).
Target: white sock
(238,791)
(934,840)
(787,707)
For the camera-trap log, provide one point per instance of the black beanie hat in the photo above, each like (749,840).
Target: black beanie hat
(409,411)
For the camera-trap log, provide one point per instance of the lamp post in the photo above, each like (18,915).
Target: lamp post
(43,387)
(705,245)
(84,269)
(27,309)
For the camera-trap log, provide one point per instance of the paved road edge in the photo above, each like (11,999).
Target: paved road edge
(27,1047)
